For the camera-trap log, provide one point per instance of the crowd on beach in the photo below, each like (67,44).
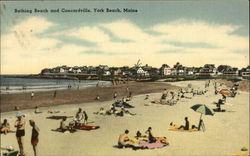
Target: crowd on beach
(118,108)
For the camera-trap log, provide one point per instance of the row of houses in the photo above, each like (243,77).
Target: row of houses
(206,70)
(147,71)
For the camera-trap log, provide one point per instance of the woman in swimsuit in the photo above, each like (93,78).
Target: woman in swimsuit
(151,138)
(20,132)
(34,135)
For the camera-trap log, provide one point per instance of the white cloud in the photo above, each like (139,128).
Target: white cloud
(92,34)
(126,30)
(202,32)
(23,46)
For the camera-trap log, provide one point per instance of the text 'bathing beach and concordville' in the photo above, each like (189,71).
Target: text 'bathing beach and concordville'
(78,10)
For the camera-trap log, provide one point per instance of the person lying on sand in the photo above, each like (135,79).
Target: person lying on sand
(123,140)
(5,127)
(101,111)
(52,112)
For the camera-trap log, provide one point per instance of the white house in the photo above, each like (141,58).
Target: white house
(165,70)
(141,72)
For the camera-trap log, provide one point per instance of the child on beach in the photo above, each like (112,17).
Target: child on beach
(34,136)
(5,127)
(20,132)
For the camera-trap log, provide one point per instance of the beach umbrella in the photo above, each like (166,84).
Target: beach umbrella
(225,92)
(203,109)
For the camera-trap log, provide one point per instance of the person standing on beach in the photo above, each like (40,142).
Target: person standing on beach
(115,95)
(55,92)
(34,136)
(85,117)
(20,132)
(32,95)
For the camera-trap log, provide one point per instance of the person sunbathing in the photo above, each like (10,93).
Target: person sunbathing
(121,113)
(79,116)
(5,127)
(101,111)
(186,127)
(63,127)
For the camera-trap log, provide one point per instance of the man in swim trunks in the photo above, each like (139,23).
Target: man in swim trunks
(20,132)
(123,139)
(34,135)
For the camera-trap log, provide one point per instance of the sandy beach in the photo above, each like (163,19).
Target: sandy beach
(226,132)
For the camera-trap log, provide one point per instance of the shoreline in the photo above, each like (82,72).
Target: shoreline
(41,99)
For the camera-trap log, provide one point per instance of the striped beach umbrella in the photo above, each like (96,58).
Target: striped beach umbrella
(203,109)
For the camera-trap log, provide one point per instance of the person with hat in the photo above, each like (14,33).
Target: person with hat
(20,131)
(34,136)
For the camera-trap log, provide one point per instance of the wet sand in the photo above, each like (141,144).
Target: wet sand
(23,101)
(226,132)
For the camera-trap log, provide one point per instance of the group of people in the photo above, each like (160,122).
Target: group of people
(20,132)
(125,141)
(80,115)
(114,111)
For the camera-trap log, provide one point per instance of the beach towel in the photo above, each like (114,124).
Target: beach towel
(175,128)
(245,153)
(86,127)
(148,145)
(136,140)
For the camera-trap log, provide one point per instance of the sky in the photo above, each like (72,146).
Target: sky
(193,33)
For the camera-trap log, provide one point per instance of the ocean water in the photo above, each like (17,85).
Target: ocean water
(26,85)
